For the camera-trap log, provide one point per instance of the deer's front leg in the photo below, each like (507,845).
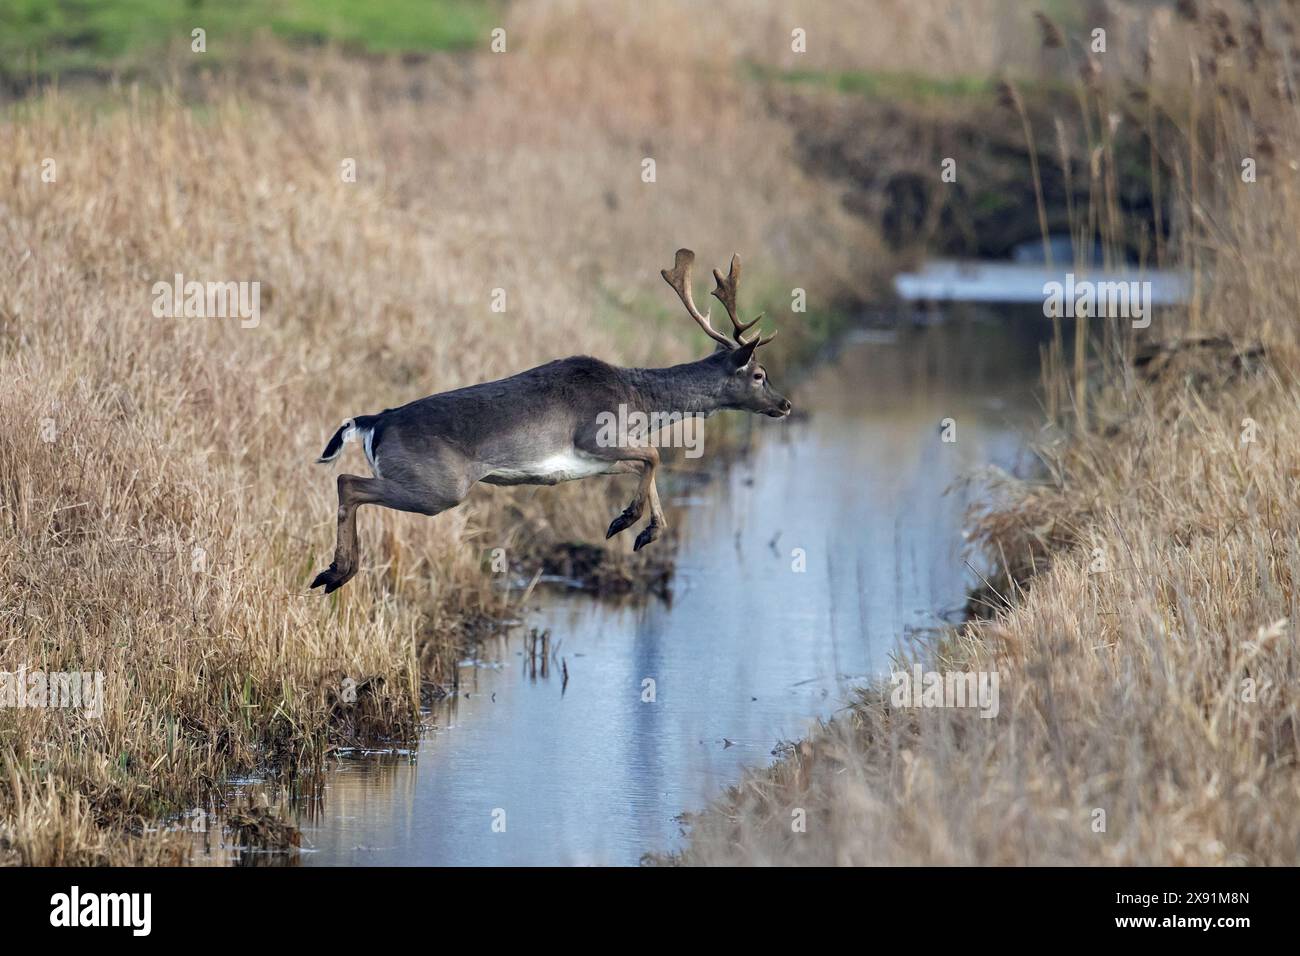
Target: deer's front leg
(632,513)
(644,460)
(657,521)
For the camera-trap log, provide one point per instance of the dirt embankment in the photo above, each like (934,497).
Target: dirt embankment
(889,156)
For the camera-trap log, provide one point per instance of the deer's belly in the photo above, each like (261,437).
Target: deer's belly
(550,471)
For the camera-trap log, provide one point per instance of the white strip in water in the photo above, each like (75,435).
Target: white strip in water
(955,280)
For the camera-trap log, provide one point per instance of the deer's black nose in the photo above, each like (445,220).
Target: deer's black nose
(786,406)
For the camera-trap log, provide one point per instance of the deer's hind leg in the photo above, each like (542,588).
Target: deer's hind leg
(354,491)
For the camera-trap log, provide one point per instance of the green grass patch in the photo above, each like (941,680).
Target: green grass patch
(394,26)
(882,84)
(44,38)
(910,87)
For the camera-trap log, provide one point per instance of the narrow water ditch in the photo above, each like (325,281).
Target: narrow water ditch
(800,569)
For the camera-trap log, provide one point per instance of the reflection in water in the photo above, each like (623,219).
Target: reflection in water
(800,569)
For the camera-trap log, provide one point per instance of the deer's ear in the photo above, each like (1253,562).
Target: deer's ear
(740,357)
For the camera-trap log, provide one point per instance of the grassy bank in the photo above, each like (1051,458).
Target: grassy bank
(162,512)
(41,40)
(1146,645)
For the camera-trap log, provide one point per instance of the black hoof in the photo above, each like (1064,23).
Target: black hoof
(621,523)
(650,533)
(332,578)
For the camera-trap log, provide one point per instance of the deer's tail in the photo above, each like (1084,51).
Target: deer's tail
(350,429)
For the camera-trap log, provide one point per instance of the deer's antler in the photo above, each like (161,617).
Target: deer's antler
(680,279)
(726,294)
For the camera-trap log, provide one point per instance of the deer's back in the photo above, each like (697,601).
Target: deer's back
(509,418)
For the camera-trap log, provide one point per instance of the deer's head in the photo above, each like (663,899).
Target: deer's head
(736,377)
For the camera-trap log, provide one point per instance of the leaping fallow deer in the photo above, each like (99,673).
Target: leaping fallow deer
(540,427)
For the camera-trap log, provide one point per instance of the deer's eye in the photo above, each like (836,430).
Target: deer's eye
(758,376)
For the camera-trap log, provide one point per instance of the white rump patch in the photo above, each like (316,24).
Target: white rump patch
(368,445)
(367,438)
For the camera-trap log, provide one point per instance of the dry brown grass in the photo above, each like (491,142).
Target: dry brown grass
(933,38)
(520,172)
(1147,665)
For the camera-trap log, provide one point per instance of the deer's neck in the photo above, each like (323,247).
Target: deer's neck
(688,389)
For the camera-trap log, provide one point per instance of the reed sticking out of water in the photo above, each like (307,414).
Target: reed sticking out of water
(1011,97)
